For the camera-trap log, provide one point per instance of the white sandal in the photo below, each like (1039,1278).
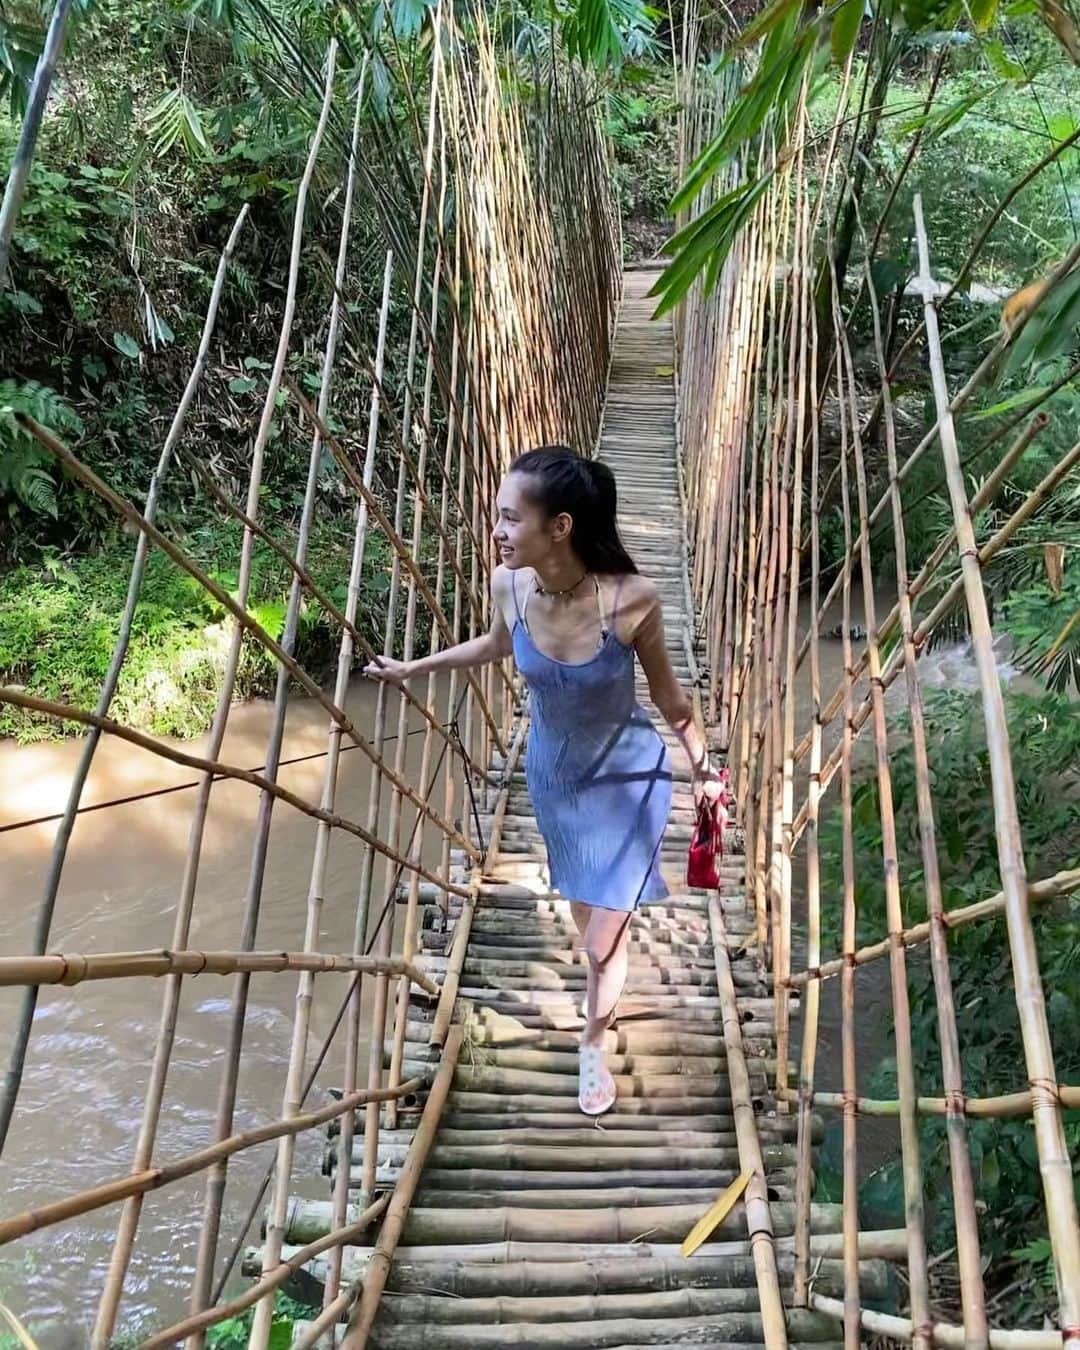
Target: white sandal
(592,1061)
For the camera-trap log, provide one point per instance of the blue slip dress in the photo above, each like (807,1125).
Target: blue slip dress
(598,772)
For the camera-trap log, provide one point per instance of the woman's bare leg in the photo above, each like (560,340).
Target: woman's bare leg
(606,941)
(581,914)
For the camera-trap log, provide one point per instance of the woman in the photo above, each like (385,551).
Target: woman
(572,608)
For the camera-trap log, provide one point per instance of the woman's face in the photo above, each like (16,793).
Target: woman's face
(524,533)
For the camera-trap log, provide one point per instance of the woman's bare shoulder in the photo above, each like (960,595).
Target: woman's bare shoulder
(637,590)
(638,598)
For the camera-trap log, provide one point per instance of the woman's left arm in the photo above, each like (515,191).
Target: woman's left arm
(667,693)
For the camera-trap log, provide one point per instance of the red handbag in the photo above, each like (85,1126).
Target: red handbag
(707,844)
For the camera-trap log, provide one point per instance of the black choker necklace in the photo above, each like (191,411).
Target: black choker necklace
(555,595)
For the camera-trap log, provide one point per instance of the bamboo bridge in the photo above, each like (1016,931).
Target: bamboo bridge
(466,1201)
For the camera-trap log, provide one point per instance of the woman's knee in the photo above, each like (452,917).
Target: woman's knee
(606,932)
(581,914)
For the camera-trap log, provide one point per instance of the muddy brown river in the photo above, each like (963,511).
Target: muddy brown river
(81,1102)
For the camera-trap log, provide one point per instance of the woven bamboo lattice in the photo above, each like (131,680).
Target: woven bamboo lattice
(502,247)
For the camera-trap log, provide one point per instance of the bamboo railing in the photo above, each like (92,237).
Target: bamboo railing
(760,376)
(503,251)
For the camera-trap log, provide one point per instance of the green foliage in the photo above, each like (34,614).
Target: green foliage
(68,218)
(233,1333)
(26,470)
(1044,733)
(603,32)
(640,123)
(175,118)
(994,55)
(1046,627)
(707,240)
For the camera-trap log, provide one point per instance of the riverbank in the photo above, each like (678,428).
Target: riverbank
(59,621)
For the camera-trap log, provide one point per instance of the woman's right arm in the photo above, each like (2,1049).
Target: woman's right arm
(493,645)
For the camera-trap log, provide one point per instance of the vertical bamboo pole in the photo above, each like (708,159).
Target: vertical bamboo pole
(15,186)
(1054,1163)
(408,941)
(852,1299)
(905,1071)
(367,859)
(294,1083)
(973,1297)
(385,933)
(812,995)
(215,1185)
(112,1290)
(802,377)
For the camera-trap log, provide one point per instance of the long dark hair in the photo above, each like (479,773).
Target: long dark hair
(585,489)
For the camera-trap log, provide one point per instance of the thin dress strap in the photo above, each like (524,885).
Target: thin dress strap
(604,628)
(521,608)
(615,602)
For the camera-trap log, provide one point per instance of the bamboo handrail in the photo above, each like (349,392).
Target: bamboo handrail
(242,617)
(271,1280)
(1010,1106)
(941,1333)
(152,1178)
(69,968)
(64,712)
(1061,883)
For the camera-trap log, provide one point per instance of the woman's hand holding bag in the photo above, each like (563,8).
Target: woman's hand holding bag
(707,844)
